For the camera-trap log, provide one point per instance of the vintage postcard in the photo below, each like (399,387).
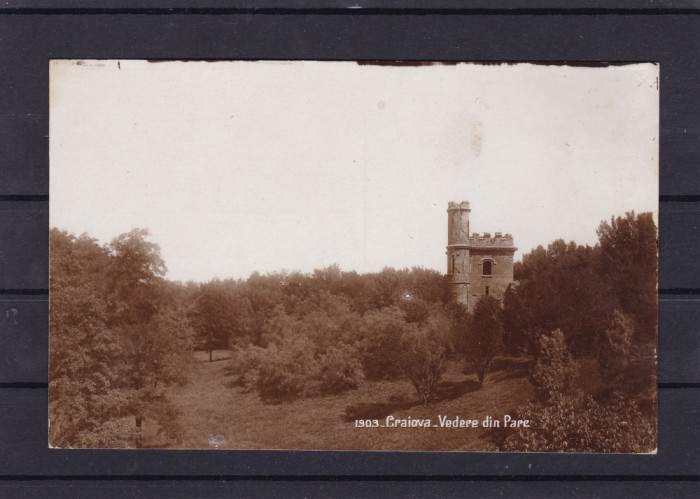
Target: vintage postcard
(353,256)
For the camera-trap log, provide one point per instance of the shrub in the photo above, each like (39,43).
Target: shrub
(278,372)
(555,368)
(581,424)
(340,369)
(244,366)
(112,433)
(562,421)
(381,343)
(416,309)
(285,371)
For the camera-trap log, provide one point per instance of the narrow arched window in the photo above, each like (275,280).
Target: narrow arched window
(486,268)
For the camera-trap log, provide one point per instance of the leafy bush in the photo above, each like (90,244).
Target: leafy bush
(113,433)
(278,372)
(290,369)
(382,341)
(581,424)
(244,364)
(302,356)
(574,422)
(555,368)
(284,373)
(416,309)
(340,369)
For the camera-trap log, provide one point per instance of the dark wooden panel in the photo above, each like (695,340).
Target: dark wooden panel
(24,245)
(24,150)
(355,488)
(24,339)
(679,159)
(355,4)
(679,240)
(23,431)
(679,339)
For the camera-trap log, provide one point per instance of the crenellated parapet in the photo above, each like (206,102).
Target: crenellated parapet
(498,240)
(462,206)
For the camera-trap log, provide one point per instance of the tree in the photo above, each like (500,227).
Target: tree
(133,274)
(415,308)
(428,285)
(517,328)
(577,288)
(215,313)
(614,349)
(422,355)
(555,369)
(154,337)
(261,294)
(628,366)
(628,259)
(84,393)
(329,321)
(385,288)
(483,335)
(327,279)
(559,288)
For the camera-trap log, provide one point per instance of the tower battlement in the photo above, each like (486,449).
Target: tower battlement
(497,240)
(453,205)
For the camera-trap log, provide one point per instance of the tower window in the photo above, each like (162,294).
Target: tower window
(487,290)
(486,268)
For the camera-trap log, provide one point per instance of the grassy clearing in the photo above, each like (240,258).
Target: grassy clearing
(211,408)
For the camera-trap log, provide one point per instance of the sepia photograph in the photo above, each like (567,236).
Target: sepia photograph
(353,255)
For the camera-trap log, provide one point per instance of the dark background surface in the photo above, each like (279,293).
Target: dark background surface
(442,5)
(34,31)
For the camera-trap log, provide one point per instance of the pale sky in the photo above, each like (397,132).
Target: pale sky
(243,166)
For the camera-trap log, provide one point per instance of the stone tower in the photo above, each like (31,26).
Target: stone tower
(477,265)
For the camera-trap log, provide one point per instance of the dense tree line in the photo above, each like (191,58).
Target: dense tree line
(121,333)
(235,312)
(578,288)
